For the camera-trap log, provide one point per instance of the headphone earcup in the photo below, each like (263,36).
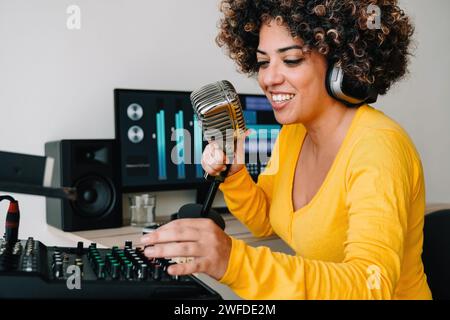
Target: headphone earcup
(328,80)
(342,89)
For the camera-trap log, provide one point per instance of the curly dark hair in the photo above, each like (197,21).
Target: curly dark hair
(338,29)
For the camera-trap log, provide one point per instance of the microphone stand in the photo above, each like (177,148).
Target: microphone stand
(194,210)
(213,190)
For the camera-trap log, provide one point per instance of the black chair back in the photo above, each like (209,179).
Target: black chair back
(436,253)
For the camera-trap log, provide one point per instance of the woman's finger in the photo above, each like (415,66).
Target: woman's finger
(198,265)
(174,249)
(218,158)
(196,223)
(170,234)
(213,169)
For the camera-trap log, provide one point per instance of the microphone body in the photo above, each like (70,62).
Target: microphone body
(219,111)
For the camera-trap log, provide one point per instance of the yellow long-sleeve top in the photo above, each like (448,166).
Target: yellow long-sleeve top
(361,235)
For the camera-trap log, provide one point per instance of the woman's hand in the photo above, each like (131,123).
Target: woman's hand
(199,238)
(214,159)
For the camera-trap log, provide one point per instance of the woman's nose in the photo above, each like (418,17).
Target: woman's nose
(271,75)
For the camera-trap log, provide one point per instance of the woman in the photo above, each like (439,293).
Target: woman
(344,187)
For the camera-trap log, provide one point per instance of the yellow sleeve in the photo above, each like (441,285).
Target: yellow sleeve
(378,190)
(250,202)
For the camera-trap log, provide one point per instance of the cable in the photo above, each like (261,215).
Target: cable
(12,220)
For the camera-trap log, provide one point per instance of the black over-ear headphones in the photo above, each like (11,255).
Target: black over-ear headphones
(340,88)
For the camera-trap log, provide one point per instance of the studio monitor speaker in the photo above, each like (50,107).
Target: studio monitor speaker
(90,166)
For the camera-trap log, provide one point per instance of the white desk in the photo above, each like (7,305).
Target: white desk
(48,235)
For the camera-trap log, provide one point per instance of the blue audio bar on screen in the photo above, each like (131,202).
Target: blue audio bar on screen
(250,117)
(257,104)
(198,145)
(179,131)
(161,142)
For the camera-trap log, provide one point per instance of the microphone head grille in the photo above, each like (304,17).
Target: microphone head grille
(218,107)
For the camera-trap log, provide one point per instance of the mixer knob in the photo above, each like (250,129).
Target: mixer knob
(115,270)
(58,269)
(108,257)
(66,257)
(79,263)
(101,270)
(157,272)
(17,248)
(142,271)
(80,247)
(128,270)
(135,258)
(97,261)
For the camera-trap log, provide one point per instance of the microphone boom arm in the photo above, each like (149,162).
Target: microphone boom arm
(63,192)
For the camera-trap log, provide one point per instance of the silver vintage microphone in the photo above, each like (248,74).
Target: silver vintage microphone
(219,110)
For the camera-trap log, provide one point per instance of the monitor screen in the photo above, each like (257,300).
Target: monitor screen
(161,141)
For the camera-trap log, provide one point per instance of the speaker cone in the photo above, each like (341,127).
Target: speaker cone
(96,196)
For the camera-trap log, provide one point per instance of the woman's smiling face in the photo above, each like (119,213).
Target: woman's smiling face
(292,78)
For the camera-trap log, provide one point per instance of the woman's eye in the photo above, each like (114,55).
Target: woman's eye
(261,64)
(293,62)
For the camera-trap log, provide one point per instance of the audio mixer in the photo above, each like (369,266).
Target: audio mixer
(31,270)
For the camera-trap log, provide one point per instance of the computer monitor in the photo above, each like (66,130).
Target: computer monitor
(161,142)
(259,118)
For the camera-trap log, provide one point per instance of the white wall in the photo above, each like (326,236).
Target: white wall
(57,83)
(421,102)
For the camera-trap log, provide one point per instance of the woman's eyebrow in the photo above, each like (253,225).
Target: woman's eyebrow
(281,50)
(289,48)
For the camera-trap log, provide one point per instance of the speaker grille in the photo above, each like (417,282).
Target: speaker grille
(96,196)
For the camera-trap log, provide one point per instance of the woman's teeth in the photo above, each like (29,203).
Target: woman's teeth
(282,97)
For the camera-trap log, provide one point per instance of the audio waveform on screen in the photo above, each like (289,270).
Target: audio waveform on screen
(179,131)
(161,144)
(198,146)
